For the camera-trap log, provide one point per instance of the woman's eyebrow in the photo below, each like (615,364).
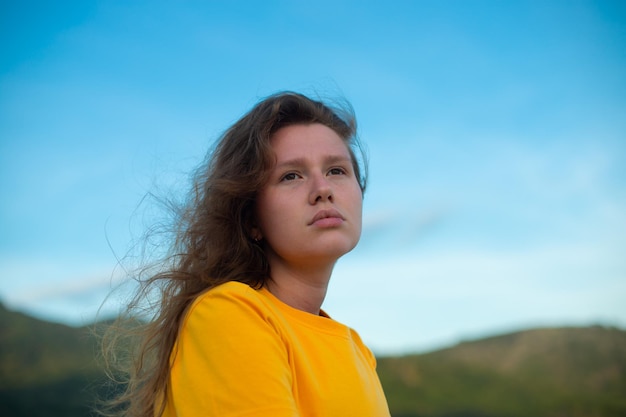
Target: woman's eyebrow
(329,159)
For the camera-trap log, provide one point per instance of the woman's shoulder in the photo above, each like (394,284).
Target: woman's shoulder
(229,289)
(231,298)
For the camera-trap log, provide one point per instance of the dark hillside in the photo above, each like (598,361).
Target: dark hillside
(48,369)
(542,372)
(32,350)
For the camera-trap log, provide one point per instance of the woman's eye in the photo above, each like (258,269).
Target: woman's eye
(337,171)
(289,177)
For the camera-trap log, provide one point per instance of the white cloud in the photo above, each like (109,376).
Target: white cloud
(67,292)
(422,300)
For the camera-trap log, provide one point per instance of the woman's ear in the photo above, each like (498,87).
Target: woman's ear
(256,234)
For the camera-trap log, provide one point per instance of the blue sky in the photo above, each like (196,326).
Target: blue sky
(496,133)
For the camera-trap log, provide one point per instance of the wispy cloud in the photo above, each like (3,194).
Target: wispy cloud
(397,299)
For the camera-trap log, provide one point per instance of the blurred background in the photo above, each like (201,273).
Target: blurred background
(496,132)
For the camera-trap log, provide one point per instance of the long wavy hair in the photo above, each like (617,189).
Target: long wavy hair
(212,244)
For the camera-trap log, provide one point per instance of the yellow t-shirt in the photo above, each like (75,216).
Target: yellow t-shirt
(242,352)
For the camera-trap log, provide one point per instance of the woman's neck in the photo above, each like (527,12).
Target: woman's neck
(301,289)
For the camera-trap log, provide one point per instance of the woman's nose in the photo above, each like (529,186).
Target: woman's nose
(321,190)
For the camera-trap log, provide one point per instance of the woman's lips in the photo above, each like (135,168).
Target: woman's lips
(327,218)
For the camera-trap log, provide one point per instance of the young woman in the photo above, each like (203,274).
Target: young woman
(239,329)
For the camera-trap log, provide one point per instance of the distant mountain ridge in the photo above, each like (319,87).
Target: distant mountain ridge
(35,351)
(540,372)
(48,369)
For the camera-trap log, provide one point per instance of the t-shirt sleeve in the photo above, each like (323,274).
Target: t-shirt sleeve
(230,360)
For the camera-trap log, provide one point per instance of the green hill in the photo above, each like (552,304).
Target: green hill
(544,372)
(48,369)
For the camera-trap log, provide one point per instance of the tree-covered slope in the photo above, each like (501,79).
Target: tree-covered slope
(542,372)
(48,369)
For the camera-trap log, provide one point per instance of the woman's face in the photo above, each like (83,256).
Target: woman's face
(310,209)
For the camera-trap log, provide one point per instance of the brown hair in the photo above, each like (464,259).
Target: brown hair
(212,243)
